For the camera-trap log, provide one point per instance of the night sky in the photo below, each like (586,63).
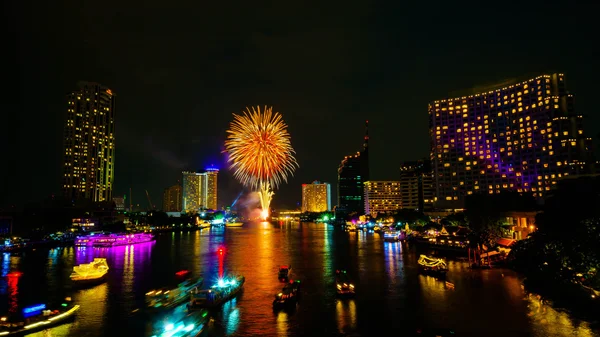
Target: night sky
(180,69)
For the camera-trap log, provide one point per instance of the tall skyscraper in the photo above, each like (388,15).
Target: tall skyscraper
(210,195)
(382,197)
(522,136)
(89,143)
(316,197)
(416,185)
(352,173)
(200,190)
(172,198)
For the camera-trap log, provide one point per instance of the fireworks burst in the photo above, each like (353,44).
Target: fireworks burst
(260,151)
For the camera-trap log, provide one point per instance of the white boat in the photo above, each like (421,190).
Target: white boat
(90,273)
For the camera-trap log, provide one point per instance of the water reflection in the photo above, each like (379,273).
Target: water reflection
(282,323)
(547,321)
(231,317)
(346,315)
(13,292)
(94,305)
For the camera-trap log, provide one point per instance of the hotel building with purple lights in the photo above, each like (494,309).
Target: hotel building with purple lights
(521,137)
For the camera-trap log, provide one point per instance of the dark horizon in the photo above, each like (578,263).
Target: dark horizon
(180,71)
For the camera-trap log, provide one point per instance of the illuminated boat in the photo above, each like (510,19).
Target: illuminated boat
(90,273)
(434,266)
(167,298)
(112,240)
(234,224)
(288,297)
(36,318)
(223,291)
(391,236)
(343,284)
(284,273)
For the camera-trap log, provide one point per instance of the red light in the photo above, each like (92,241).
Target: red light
(14,274)
(181,272)
(221,251)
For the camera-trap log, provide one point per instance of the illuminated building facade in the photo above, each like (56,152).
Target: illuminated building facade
(416,185)
(382,197)
(172,198)
(316,197)
(352,173)
(200,190)
(89,143)
(210,193)
(519,137)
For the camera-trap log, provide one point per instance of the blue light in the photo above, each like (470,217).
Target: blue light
(221,283)
(232,282)
(189,327)
(33,309)
(169,327)
(217,221)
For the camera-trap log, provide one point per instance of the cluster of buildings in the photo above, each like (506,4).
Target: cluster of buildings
(521,137)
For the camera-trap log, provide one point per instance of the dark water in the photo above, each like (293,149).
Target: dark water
(393,299)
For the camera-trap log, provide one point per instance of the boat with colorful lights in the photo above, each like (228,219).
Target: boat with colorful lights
(391,236)
(36,318)
(288,297)
(284,273)
(167,298)
(113,240)
(90,273)
(343,284)
(433,266)
(223,291)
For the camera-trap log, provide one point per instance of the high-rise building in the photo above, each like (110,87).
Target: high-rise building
(316,197)
(521,136)
(352,173)
(382,197)
(89,143)
(210,193)
(172,198)
(200,190)
(416,185)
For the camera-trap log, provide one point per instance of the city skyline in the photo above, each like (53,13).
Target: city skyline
(175,100)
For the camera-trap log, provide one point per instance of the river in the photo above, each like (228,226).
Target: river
(393,299)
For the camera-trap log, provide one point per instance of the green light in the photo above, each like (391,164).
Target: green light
(325,218)
(204,314)
(64,304)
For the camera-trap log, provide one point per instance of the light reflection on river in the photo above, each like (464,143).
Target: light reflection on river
(392,299)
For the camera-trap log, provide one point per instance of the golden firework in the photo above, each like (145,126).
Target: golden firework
(259,147)
(260,152)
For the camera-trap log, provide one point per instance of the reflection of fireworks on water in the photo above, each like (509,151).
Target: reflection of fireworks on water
(260,152)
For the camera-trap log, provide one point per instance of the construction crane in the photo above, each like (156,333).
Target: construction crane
(150,201)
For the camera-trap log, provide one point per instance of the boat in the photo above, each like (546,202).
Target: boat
(288,297)
(284,273)
(234,224)
(391,236)
(167,298)
(223,291)
(202,223)
(434,266)
(90,273)
(112,240)
(343,284)
(351,228)
(36,318)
